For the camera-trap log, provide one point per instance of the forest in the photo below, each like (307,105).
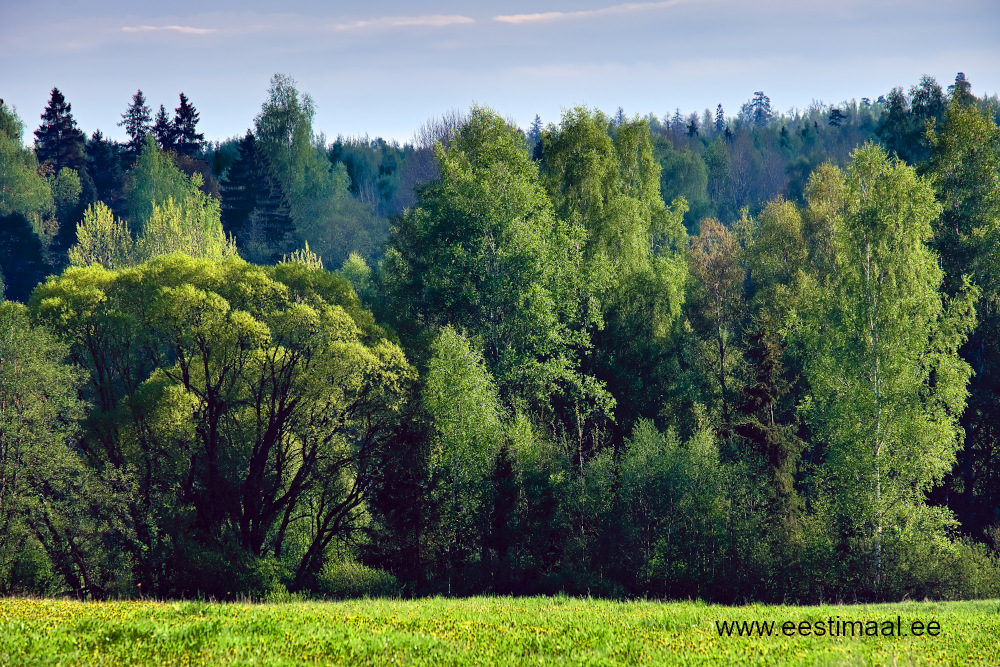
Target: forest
(733,357)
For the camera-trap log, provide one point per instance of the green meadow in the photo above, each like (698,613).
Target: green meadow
(483,631)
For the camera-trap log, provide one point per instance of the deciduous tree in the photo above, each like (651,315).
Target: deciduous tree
(887,383)
(236,414)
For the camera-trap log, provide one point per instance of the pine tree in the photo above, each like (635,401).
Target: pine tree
(188,140)
(758,110)
(163,130)
(136,121)
(692,126)
(961,90)
(837,117)
(58,141)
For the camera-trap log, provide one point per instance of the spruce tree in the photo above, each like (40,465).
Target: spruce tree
(22,259)
(188,140)
(239,197)
(163,130)
(254,207)
(58,141)
(104,162)
(720,120)
(136,121)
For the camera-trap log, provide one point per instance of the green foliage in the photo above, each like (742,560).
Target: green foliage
(964,167)
(765,410)
(887,383)
(463,402)
(58,141)
(666,507)
(136,120)
(236,412)
(683,175)
(464,406)
(825,194)
(630,278)
(22,261)
(483,251)
(39,412)
(22,190)
(188,140)
(191,225)
(903,124)
(359,274)
(255,210)
(102,239)
(322,208)
(344,580)
(152,182)
(306,257)
(66,189)
(716,308)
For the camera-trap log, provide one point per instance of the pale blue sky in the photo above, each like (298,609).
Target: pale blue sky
(383,68)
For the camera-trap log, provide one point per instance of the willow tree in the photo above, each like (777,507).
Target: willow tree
(887,383)
(236,414)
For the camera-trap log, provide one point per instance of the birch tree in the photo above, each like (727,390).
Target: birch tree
(887,383)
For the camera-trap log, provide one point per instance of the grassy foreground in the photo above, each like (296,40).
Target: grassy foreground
(486,631)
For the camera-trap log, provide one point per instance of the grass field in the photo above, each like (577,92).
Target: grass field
(484,631)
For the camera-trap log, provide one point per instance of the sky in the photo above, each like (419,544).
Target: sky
(383,68)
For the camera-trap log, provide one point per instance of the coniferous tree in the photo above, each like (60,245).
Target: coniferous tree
(188,140)
(720,120)
(758,110)
(239,196)
(22,261)
(692,126)
(163,130)
(58,141)
(927,101)
(104,162)
(254,207)
(961,90)
(136,121)
(895,127)
(535,137)
(677,123)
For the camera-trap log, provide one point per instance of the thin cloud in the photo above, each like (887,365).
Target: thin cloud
(187,30)
(431,20)
(627,8)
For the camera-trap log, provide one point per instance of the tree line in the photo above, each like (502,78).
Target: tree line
(734,358)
